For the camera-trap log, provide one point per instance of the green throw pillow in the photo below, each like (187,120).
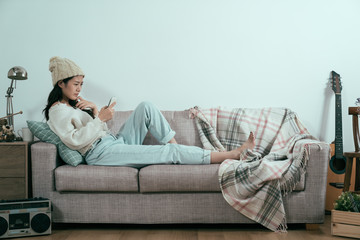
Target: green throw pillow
(43,132)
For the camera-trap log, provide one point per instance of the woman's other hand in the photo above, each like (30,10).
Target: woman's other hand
(106,113)
(84,104)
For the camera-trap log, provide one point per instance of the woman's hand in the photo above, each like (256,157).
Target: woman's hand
(106,113)
(83,104)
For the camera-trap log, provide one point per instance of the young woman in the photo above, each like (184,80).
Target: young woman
(86,131)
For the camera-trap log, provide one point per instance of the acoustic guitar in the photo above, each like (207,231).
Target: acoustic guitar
(337,164)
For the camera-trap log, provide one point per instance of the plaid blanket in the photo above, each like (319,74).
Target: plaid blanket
(254,185)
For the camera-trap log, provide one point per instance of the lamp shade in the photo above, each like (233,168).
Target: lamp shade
(17,73)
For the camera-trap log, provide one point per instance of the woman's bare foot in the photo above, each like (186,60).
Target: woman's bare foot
(249,144)
(219,157)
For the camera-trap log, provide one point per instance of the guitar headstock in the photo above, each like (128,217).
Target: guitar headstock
(336,82)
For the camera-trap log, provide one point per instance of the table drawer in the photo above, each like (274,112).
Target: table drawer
(12,160)
(13,188)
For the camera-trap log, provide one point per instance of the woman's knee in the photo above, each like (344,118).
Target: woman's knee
(145,106)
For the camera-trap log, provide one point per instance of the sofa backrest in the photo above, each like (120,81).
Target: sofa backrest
(180,122)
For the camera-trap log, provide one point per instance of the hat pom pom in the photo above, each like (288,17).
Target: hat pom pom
(53,61)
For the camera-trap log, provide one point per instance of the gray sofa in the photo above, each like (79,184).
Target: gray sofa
(159,194)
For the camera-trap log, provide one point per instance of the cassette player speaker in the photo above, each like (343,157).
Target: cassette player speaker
(25,217)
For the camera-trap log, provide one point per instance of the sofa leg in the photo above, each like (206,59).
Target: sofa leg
(311,226)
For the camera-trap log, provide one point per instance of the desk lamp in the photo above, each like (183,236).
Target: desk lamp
(15,73)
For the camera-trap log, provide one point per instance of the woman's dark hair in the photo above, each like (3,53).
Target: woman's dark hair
(56,95)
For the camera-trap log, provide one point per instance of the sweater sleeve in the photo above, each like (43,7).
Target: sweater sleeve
(75,128)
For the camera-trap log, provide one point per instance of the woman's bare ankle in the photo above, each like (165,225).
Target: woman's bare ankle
(172,141)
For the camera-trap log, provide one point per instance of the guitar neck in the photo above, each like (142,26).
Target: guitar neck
(338,128)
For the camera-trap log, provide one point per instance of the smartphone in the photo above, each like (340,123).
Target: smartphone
(112,99)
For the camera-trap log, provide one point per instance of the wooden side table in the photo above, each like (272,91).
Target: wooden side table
(355,112)
(14,170)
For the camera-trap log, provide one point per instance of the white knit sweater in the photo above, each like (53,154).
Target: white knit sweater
(76,128)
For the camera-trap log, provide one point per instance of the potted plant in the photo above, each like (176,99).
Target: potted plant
(345,218)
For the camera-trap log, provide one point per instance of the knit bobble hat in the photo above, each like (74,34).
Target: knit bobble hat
(62,68)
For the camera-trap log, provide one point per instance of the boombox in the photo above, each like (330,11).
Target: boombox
(25,217)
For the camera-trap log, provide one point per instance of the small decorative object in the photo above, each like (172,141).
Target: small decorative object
(8,134)
(3,122)
(6,131)
(345,218)
(15,73)
(358,104)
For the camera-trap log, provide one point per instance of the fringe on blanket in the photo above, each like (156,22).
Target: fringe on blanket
(282,228)
(289,185)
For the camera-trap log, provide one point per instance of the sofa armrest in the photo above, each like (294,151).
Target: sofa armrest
(315,181)
(317,166)
(44,160)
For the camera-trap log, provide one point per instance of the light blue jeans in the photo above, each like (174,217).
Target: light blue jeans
(126,149)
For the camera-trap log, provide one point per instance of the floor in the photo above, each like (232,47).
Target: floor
(183,232)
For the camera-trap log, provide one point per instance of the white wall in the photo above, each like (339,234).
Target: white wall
(178,54)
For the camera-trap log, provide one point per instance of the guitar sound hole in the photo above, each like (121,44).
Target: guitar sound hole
(338,165)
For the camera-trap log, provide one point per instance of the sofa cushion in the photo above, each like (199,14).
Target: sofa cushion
(185,178)
(84,178)
(179,178)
